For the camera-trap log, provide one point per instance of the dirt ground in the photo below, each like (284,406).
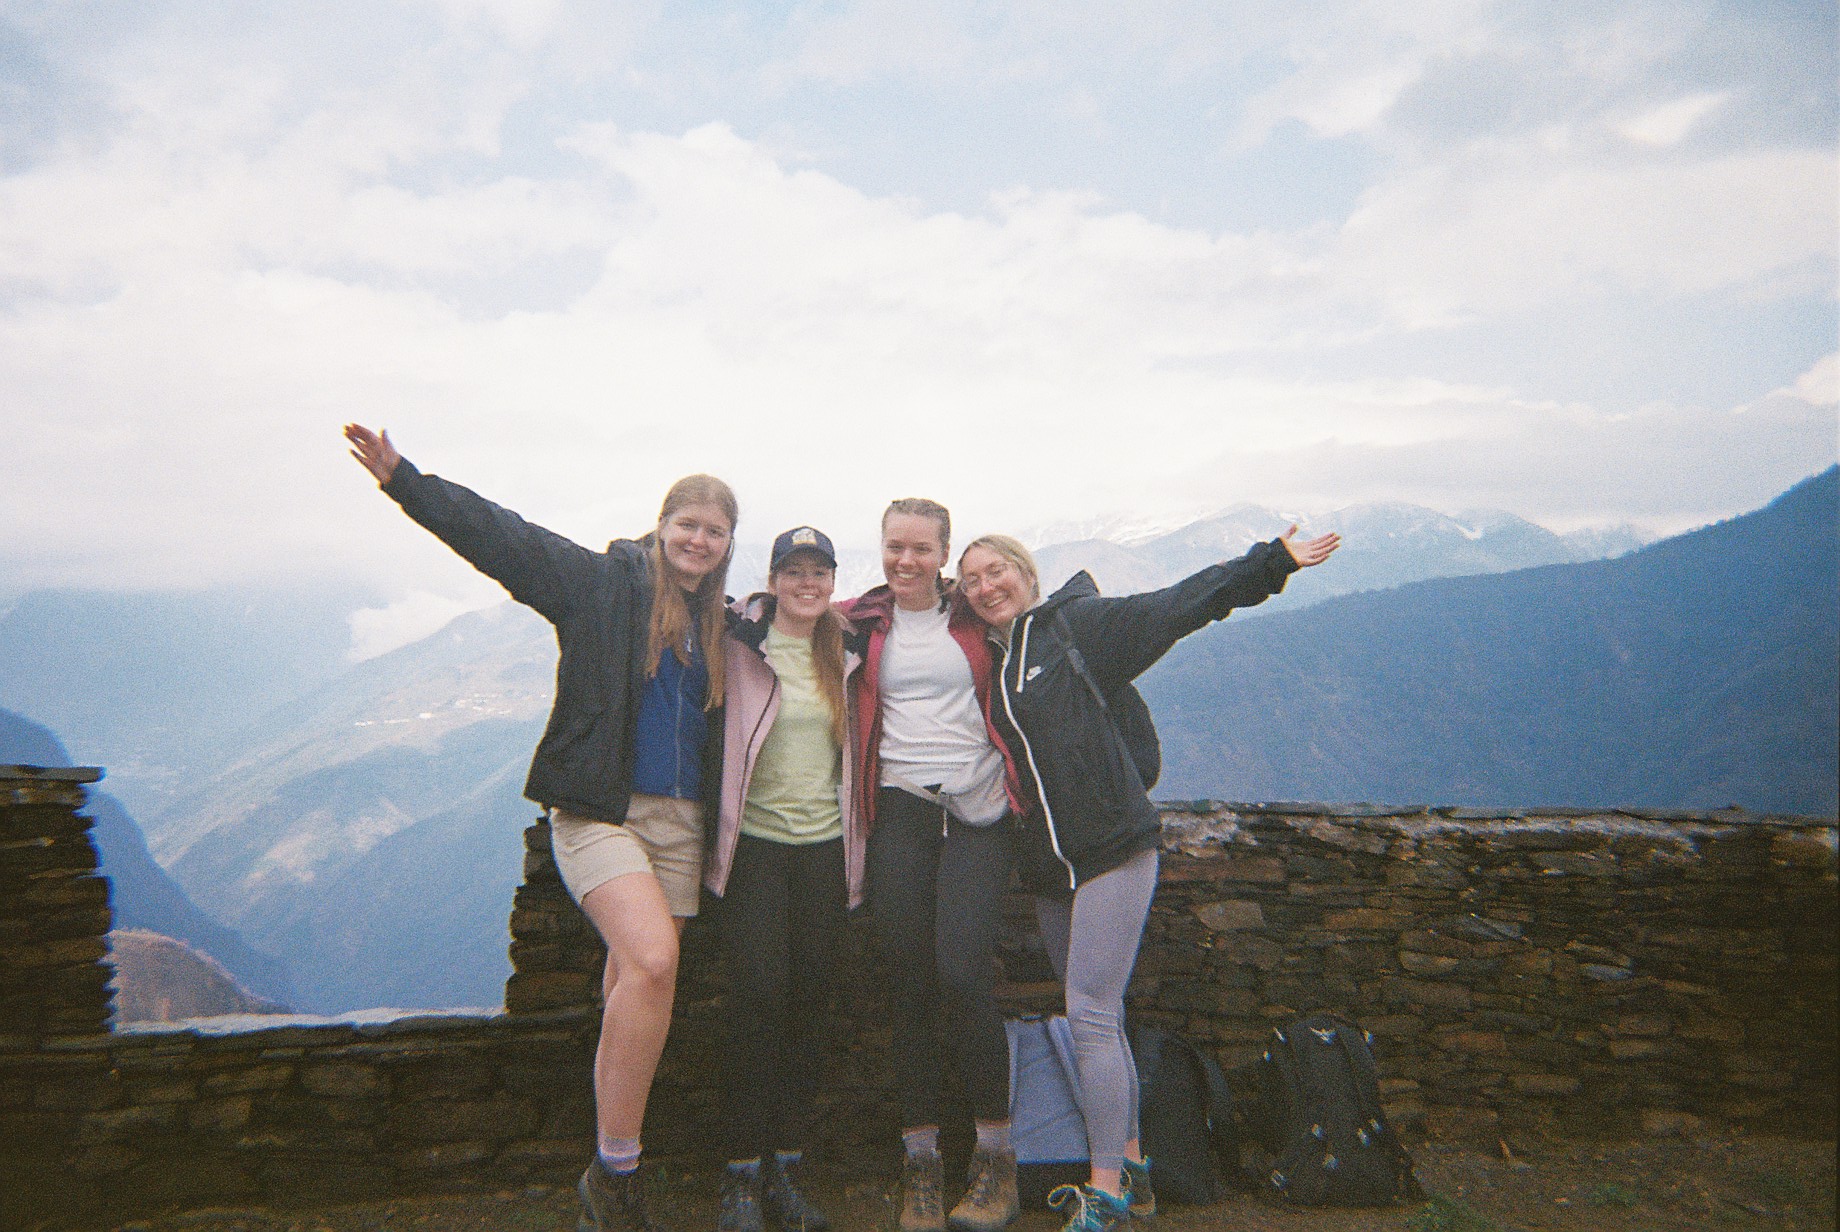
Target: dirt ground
(1724,1184)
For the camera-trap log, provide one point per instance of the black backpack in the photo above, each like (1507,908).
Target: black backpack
(1129,713)
(1327,1141)
(1185,1117)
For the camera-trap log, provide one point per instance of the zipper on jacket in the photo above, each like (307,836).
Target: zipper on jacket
(1027,625)
(753,749)
(1028,751)
(677,737)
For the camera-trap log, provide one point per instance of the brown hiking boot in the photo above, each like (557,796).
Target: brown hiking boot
(612,1202)
(990,1202)
(923,1185)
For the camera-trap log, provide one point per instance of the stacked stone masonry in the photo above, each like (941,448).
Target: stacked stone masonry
(1523,973)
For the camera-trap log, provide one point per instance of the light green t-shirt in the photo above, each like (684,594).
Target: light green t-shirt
(792,795)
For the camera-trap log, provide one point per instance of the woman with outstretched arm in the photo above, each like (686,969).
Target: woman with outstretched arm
(627,759)
(1087,845)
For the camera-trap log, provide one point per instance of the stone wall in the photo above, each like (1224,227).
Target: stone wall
(1570,971)
(1564,970)
(1600,972)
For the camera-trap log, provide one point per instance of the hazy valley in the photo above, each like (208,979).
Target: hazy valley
(358,825)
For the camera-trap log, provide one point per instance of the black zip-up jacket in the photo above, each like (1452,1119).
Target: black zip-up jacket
(601,606)
(1091,812)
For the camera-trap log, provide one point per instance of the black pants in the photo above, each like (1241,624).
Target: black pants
(935,888)
(782,920)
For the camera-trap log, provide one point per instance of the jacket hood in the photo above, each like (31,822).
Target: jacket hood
(1079,586)
(873,607)
(750,618)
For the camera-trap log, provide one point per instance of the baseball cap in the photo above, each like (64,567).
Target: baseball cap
(803,539)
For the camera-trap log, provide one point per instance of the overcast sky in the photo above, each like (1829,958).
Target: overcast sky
(1038,260)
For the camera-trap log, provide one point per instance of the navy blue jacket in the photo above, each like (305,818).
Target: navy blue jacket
(601,606)
(1091,812)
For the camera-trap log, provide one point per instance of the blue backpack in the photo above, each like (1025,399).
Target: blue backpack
(1185,1113)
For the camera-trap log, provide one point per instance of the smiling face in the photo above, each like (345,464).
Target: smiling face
(801,588)
(913,553)
(997,590)
(695,539)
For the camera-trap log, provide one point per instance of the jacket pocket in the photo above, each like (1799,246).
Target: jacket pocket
(571,740)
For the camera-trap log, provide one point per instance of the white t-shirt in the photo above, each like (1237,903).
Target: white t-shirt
(933,734)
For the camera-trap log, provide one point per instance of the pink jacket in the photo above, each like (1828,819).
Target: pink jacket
(749,708)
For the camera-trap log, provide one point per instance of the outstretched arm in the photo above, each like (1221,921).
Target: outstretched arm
(532,563)
(374,451)
(1121,637)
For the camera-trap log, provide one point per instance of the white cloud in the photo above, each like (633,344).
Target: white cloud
(1819,386)
(1509,234)
(378,630)
(1671,121)
(566,308)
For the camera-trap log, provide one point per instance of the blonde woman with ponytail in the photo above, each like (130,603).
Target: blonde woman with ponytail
(627,760)
(787,863)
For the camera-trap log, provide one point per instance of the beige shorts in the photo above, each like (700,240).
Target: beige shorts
(662,836)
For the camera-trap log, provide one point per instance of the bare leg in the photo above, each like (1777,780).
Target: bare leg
(632,917)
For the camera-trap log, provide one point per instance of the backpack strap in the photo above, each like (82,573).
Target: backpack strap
(1367,1087)
(1078,660)
(1223,1129)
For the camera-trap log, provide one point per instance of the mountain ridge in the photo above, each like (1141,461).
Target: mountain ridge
(1562,684)
(142,894)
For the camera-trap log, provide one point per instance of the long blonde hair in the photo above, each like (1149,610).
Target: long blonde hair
(827,661)
(671,623)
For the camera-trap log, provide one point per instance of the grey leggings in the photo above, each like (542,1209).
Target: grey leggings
(1092,942)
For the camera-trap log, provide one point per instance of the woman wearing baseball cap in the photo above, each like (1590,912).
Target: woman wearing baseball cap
(786,860)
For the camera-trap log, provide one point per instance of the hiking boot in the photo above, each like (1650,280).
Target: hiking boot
(740,1211)
(785,1205)
(990,1202)
(1090,1210)
(923,1184)
(1136,1181)
(612,1201)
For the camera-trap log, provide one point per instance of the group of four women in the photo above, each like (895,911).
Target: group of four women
(797,757)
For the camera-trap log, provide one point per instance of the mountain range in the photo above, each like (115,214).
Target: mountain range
(143,895)
(153,685)
(363,825)
(1383,545)
(1699,672)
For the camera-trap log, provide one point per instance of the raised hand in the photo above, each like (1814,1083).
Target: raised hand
(375,452)
(1309,551)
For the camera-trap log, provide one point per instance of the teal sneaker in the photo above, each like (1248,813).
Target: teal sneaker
(1136,1178)
(1090,1210)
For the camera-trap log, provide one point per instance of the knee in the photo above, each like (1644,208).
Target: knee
(646,969)
(1094,1017)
